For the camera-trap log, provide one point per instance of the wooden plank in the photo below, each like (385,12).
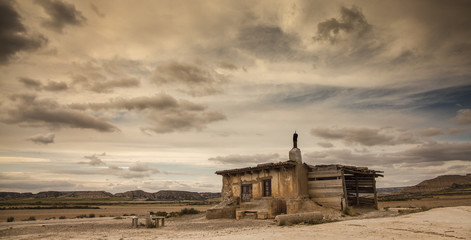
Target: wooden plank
(325,183)
(327,190)
(324,174)
(331,200)
(314,194)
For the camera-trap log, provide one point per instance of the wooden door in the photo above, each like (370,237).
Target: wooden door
(246,193)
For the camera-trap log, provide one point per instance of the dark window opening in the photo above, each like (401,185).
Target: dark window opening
(267,188)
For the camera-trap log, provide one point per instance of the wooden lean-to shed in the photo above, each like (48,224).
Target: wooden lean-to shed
(341,186)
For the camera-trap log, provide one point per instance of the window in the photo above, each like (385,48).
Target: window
(267,187)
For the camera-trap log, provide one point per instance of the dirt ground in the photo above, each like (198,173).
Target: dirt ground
(106,211)
(438,223)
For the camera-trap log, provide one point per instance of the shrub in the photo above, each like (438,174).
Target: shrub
(82,216)
(91,215)
(163,214)
(101,215)
(189,211)
(350,211)
(10,219)
(118,217)
(32,218)
(62,217)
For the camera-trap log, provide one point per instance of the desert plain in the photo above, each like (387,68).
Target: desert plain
(443,217)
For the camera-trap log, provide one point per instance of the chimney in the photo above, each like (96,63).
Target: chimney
(295,153)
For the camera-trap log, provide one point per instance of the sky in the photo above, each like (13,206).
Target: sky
(158,95)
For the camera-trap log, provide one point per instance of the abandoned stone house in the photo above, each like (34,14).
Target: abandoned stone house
(270,189)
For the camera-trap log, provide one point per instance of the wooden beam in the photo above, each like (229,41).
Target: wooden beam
(358,194)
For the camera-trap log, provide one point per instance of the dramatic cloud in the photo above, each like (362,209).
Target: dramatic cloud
(181,121)
(105,86)
(351,22)
(157,102)
(94,160)
(166,113)
(31,83)
(198,80)
(269,42)
(38,85)
(325,144)
(364,136)
(430,132)
(14,37)
(30,111)
(430,154)
(456,131)
(464,117)
(142,167)
(60,14)
(236,159)
(104,75)
(438,152)
(43,138)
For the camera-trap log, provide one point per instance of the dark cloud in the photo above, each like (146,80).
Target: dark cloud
(94,160)
(60,14)
(456,131)
(236,159)
(365,136)
(430,132)
(181,121)
(325,144)
(108,85)
(429,154)
(30,111)
(103,76)
(157,102)
(166,114)
(96,10)
(227,66)
(464,117)
(351,22)
(39,86)
(269,42)
(55,86)
(43,138)
(31,83)
(198,80)
(439,152)
(142,167)
(14,37)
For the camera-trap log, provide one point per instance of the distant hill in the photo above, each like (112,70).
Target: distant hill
(164,195)
(439,183)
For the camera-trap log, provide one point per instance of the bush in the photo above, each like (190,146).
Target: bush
(101,215)
(189,211)
(350,211)
(62,217)
(32,218)
(10,219)
(82,216)
(163,214)
(91,215)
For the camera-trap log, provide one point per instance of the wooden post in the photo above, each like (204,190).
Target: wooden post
(358,194)
(374,189)
(163,221)
(345,195)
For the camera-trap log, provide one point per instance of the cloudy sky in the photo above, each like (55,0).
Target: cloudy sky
(124,95)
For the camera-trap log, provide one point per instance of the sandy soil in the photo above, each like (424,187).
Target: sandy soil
(439,223)
(107,211)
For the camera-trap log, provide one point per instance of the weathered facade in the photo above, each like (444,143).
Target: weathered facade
(270,189)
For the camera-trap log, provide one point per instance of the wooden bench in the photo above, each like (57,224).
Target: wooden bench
(149,219)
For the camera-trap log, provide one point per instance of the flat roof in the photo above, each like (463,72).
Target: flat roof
(259,167)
